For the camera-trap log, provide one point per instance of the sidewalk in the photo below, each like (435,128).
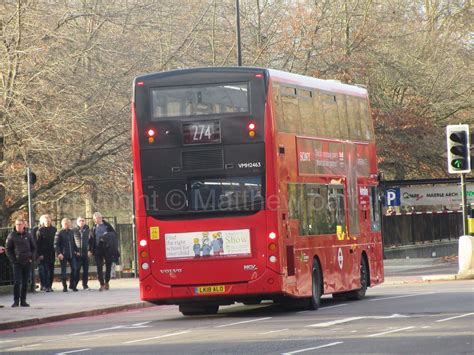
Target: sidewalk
(55,306)
(124,294)
(400,271)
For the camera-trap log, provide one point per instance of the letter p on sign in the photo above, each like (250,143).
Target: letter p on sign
(393,197)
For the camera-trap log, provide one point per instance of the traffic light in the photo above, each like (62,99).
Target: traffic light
(457,137)
(32,178)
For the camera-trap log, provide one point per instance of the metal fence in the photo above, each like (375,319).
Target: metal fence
(416,228)
(125,240)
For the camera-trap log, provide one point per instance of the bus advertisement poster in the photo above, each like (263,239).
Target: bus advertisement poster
(208,244)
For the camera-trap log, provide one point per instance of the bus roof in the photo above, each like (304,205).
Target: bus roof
(321,84)
(276,75)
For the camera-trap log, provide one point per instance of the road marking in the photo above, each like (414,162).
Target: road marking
(140,324)
(274,331)
(96,337)
(403,296)
(388,332)
(315,348)
(245,321)
(346,320)
(455,317)
(323,308)
(23,347)
(334,322)
(335,306)
(6,341)
(74,351)
(157,337)
(97,330)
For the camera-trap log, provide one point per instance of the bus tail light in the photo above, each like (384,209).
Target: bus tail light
(252,129)
(145,266)
(143,243)
(272,235)
(272,247)
(272,259)
(144,254)
(151,133)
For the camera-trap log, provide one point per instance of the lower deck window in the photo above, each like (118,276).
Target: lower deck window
(320,209)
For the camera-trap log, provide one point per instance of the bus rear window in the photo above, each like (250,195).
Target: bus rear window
(199,100)
(227,194)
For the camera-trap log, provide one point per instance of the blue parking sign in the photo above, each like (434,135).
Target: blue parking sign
(392,197)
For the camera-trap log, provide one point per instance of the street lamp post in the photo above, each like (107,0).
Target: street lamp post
(239,48)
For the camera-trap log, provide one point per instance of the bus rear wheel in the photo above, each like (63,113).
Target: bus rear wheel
(197,310)
(364,281)
(317,289)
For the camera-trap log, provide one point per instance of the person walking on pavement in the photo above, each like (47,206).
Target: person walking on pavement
(66,251)
(81,237)
(46,256)
(20,248)
(2,250)
(103,245)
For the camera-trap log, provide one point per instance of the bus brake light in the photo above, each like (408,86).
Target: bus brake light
(151,132)
(251,128)
(151,135)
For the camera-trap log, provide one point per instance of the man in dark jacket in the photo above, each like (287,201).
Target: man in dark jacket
(45,243)
(20,249)
(66,251)
(2,250)
(81,237)
(103,245)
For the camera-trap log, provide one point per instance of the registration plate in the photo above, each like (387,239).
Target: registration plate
(205,290)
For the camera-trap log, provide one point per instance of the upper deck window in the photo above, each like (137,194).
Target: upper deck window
(200,100)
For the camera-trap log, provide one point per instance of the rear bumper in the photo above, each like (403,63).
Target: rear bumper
(267,286)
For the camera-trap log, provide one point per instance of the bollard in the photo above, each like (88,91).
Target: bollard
(466,254)
(470,220)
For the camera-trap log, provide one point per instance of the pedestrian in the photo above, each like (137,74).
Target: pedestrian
(20,248)
(46,254)
(103,245)
(81,237)
(2,250)
(66,251)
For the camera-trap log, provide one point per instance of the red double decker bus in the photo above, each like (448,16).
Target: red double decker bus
(253,184)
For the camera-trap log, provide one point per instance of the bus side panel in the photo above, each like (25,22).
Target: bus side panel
(376,267)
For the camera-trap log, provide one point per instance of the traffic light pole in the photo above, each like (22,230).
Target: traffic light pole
(30,223)
(30,202)
(464,204)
